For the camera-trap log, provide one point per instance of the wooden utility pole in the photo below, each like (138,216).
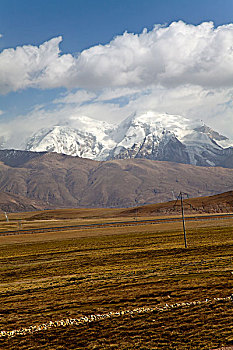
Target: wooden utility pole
(6,216)
(20,224)
(181,194)
(182,209)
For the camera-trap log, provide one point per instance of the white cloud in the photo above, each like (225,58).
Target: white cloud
(178,69)
(31,66)
(213,106)
(170,56)
(117,93)
(78,97)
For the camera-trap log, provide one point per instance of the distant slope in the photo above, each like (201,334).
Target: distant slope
(16,158)
(12,203)
(220,203)
(65,181)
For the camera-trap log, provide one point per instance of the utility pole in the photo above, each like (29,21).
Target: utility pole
(173,196)
(182,209)
(20,224)
(181,194)
(6,216)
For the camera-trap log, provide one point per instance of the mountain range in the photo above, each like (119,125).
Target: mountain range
(59,181)
(147,158)
(150,135)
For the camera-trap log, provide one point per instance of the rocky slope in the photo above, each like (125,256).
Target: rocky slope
(65,181)
(220,203)
(13,203)
(150,136)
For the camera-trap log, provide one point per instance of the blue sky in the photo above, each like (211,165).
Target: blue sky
(41,86)
(84,23)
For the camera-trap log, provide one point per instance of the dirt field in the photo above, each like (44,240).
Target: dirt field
(52,276)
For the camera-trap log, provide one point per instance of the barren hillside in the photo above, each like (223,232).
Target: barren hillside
(64,181)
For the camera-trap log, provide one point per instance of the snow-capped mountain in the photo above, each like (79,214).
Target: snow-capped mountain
(150,135)
(88,139)
(171,138)
(63,139)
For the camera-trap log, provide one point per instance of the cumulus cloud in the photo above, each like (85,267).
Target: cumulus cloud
(167,55)
(31,66)
(179,69)
(173,55)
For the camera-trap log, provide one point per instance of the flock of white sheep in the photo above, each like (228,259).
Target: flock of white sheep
(97,317)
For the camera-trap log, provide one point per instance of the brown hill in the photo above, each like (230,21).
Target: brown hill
(13,203)
(220,203)
(65,181)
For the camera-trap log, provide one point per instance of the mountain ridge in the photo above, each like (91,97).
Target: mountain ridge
(15,203)
(62,181)
(150,135)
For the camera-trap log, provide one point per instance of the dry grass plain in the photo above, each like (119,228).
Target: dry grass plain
(52,276)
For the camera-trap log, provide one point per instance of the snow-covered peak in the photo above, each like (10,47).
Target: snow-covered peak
(97,128)
(84,123)
(152,122)
(149,135)
(86,138)
(63,139)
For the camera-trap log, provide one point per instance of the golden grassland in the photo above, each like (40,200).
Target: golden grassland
(51,276)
